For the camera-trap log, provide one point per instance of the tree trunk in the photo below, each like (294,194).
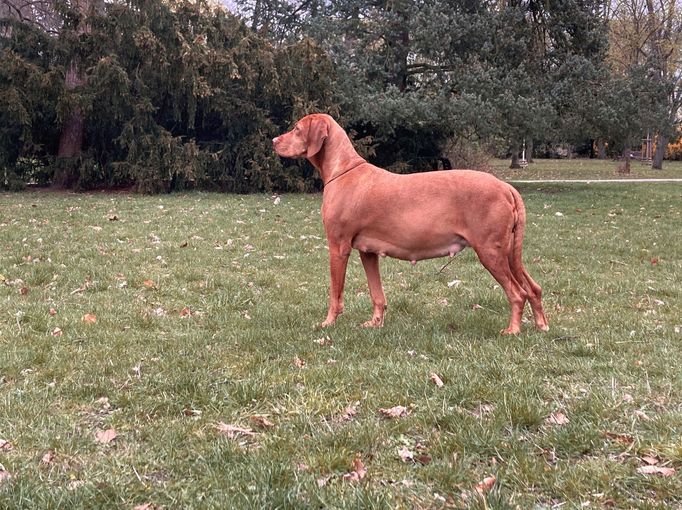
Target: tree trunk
(659,152)
(71,137)
(624,167)
(601,149)
(515,158)
(529,152)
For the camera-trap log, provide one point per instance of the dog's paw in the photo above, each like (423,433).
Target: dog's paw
(373,323)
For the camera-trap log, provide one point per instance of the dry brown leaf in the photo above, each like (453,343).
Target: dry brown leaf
(148,283)
(23,291)
(47,458)
(557,418)
(656,470)
(650,460)
(395,412)
(625,439)
(53,312)
(4,475)
(298,362)
(5,446)
(261,421)
(347,415)
(423,459)
(56,332)
(105,436)
(191,412)
(321,482)
(186,312)
(145,506)
(642,415)
(483,410)
(358,473)
(485,485)
(233,431)
(436,380)
(90,318)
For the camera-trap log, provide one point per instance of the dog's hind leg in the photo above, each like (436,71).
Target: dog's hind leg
(535,299)
(370,261)
(497,263)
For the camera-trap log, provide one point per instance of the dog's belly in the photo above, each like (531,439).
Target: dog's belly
(411,249)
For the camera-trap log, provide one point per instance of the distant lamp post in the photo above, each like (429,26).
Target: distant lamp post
(523,162)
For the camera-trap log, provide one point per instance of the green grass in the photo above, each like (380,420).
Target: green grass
(253,275)
(583,169)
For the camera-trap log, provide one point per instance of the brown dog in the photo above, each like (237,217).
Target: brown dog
(411,217)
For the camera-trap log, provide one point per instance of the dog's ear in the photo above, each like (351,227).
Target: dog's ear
(318,130)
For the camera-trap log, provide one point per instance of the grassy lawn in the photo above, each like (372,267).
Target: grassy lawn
(184,326)
(583,169)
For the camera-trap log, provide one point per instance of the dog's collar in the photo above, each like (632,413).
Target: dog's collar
(345,172)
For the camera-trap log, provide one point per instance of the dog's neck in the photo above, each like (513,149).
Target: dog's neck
(337,155)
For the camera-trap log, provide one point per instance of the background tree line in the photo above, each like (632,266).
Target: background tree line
(165,94)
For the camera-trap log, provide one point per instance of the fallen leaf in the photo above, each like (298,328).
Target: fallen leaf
(650,460)
(485,485)
(405,454)
(23,291)
(47,458)
(90,318)
(358,472)
(56,332)
(233,431)
(298,362)
(395,412)
(188,411)
(625,439)
(184,244)
(302,466)
(656,470)
(654,261)
(321,482)
(4,475)
(436,380)
(483,410)
(105,436)
(261,421)
(347,415)
(557,418)
(53,312)
(75,484)
(148,283)
(113,217)
(642,415)
(326,340)
(5,446)
(423,459)
(186,312)
(145,506)
(454,283)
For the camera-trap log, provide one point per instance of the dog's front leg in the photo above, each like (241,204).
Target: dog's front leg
(370,261)
(338,261)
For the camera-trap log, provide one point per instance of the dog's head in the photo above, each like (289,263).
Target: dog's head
(306,139)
